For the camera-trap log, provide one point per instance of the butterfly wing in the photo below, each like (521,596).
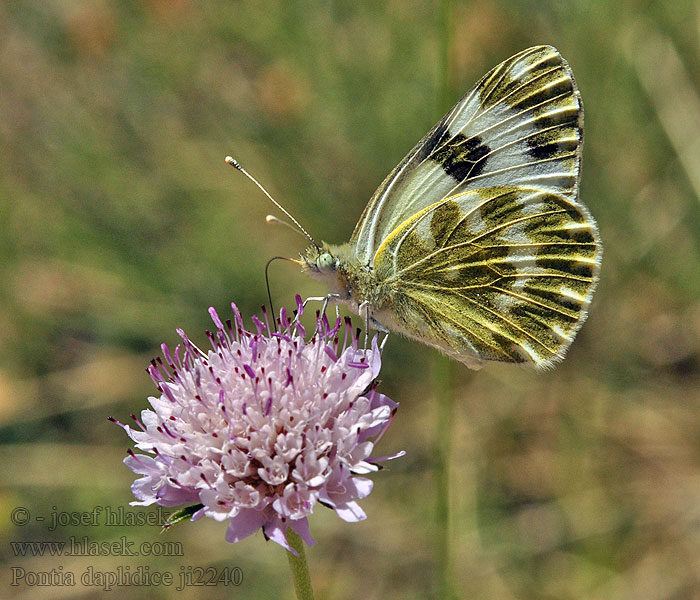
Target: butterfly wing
(501,273)
(520,125)
(478,231)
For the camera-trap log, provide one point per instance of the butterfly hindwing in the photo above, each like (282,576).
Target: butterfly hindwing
(520,125)
(502,273)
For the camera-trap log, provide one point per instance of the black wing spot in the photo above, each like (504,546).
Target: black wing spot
(433,141)
(552,145)
(545,151)
(463,157)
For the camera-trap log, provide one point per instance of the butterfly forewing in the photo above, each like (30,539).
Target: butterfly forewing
(520,125)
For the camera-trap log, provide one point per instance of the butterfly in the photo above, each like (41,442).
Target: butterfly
(476,243)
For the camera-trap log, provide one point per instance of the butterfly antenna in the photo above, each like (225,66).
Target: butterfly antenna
(273,220)
(236,165)
(267,277)
(267,283)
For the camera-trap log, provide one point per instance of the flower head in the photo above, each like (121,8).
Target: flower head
(262,427)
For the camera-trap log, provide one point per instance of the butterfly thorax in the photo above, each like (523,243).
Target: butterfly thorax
(349,281)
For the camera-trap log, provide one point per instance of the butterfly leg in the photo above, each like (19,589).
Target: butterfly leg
(314,299)
(325,299)
(381,329)
(370,320)
(383,342)
(325,305)
(366,307)
(378,326)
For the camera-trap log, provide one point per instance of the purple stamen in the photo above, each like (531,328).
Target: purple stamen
(215,318)
(165,388)
(136,420)
(329,351)
(113,420)
(170,433)
(259,325)
(168,357)
(237,315)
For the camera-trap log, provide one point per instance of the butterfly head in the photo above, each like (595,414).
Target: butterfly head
(320,262)
(330,265)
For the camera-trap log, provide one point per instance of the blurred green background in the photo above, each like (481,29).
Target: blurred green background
(120,221)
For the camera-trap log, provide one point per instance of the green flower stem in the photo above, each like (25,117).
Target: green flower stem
(300,570)
(442,384)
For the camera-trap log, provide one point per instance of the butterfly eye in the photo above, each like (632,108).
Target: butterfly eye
(325,262)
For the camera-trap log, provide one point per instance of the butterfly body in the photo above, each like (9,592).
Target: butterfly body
(349,281)
(476,242)
(379,299)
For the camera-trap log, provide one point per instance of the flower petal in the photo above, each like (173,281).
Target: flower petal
(275,531)
(350,512)
(245,523)
(301,527)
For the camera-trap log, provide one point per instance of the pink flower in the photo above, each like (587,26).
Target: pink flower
(262,427)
